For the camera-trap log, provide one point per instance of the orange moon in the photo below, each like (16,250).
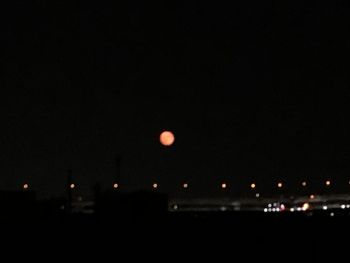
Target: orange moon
(167,138)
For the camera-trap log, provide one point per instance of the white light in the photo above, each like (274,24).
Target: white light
(270,205)
(292,209)
(257,195)
(299,209)
(348,206)
(343,206)
(175,207)
(270,210)
(277,210)
(325,207)
(265,210)
(273,209)
(306,206)
(332,214)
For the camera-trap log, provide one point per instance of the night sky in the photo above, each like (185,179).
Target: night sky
(254,91)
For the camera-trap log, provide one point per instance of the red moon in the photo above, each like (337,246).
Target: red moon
(167,138)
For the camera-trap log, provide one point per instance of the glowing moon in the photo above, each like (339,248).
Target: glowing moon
(167,138)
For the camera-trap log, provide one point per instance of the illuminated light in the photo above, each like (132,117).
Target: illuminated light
(348,206)
(328,183)
(312,196)
(167,138)
(332,214)
(270,210)
(155,186)
(305,207)
(257,195)
(299,209)
(270,205)
(273,209)
(72,186)
(277,210)
(253,186)
(185,185)
(115,186)
(223,185)
(280,185)
(176,207)
(283,207)
(304,184)
(25,186)
(292,210)
(343,206)
(325,207)
(265,210)
(80,199)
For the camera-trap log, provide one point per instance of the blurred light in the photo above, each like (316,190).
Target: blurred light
(325,207)
(283,207)
(265,210)
(253,186)
(332,214)
(280,185)
(343,206)
(292,209)
(273,209)
(257,195)
(277,209)
(72,186)
(80,199)
(299,209)
(306,206)
(312,196)
(223,185)
(155,185)
(304,184)
(185,185)
(175,207)
(328,183)
(167,138)
(270,205)
(115,186)
(25,186)
(348,206)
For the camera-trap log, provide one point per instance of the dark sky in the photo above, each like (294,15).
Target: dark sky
(254,91)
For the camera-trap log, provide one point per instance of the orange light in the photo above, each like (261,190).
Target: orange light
(185,185)
(167,138)
(280,185)
(223,185)
(155,185)
(72,186)
(253,186)
(25,186)
(115,186)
